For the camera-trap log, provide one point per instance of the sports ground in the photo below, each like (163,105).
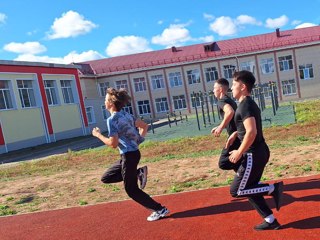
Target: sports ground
(203,214)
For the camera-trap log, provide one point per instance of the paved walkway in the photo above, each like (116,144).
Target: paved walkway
(204,215)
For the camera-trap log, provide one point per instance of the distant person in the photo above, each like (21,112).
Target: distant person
(123,133)
(253,153)
(227,108)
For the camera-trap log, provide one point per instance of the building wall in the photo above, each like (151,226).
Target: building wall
(26,122)
(288,82)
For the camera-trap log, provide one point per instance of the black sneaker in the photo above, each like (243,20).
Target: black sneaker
(268,226)
(277,194)
(142,176)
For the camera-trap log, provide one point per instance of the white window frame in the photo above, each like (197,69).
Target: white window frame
(267,65)
(128,108)
(196,101)
(103,86)
(104,112)
(285,63)
(305,71)
(211,74)
(228,71)
(5,95)
(249,66)
(157,81)
(144,107)
(140,84)
(266,91)
(67,92)
(26,93)
(175,79)
(179,102)
(193,76)
(289,87)
(162,105)
(121,84)
(51,92)
(90,114)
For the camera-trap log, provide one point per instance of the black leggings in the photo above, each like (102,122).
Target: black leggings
(126,170)
(246,181)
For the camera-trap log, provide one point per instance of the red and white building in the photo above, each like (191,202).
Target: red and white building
(162,81)
(39,103)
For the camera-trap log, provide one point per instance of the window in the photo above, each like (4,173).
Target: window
(263,90)
(90,115)
(306,71)
(157,81)
(5,95)
(193,76)
(179,102)
(162,104)
(26,93)
(121,84)
(175,79)
(228,70)
(49,86)
(285,63)
(289,87)
(196,100)
(105,113)
(211,74)
(128,108)
(103,88)
(67,91)
(266,91)
(144,107)
(140,84)
(266,66)
(249,66)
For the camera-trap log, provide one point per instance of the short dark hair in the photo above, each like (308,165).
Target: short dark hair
(224,83)
(246,77)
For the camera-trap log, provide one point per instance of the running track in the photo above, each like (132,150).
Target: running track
(205,214)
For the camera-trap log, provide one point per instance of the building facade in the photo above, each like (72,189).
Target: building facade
(39,103)
(163,81)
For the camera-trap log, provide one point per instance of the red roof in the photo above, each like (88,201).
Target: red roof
(196,52)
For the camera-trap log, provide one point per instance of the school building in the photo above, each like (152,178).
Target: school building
(39,103)
(163,81)
(43,103)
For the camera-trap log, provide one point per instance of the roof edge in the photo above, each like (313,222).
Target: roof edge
(38,64)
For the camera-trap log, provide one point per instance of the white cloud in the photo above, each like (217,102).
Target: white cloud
(277,22)
(160,22)
(82,57)
(124,45)
(71,24)
(296,22)
(245,19)
(304,25)
(70,58)
(172,36)
(25,48)
(224,26)
(208,17)
(3,18)
(206,39)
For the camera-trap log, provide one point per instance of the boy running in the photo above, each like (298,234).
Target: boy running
(253,153)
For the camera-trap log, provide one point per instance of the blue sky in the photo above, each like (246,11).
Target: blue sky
(65,31)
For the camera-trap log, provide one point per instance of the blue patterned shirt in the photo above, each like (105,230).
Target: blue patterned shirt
(122,124)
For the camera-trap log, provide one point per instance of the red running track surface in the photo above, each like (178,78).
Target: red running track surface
(203,214)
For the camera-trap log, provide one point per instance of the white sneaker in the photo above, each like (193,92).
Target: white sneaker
(158,214)
(142,176)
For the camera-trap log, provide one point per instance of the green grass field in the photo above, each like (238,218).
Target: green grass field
(284,116)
